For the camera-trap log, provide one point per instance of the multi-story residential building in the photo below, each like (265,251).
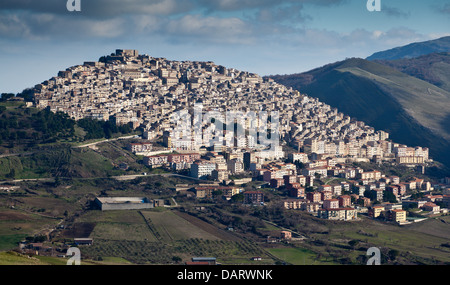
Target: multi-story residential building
(344,201)
(301,157)
(297,192)
(371,175)
(397,215)
(156,160)
(220,175)
(377,194)
(375,211)
(328,188)
(276,183)
(290,179)
(364,201)
(253,197)
(341,214)
(235,166)
(310,207)
(202,169)
(326,195)
(293,204)
(301,180)
(186,158)
(140,147)
(314,197)
(432,207)
(330,204)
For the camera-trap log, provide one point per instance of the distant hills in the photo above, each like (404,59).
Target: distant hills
(414,50)
(409,98)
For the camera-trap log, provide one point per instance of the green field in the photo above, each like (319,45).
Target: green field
(416,243)
(298,256)
(16,225)
(14,258)
(172,227)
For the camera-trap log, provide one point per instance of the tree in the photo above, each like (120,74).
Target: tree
(389,197)
(237,198)
(6,96)
(353,243)
(11,174)
(309,189)
(176,259)
(392,254)
(27,95)
(299,165)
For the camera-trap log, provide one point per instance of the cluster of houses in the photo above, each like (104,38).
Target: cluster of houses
(364,194)
(350,191)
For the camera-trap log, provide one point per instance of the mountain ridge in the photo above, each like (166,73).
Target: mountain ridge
(413,50)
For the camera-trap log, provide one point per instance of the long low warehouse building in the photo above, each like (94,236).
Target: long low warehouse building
(123,203)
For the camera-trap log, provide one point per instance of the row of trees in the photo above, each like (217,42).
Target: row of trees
(102,129)
(19,125)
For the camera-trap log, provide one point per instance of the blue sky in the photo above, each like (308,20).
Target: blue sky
(39,38)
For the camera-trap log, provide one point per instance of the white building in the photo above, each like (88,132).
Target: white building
(202,168)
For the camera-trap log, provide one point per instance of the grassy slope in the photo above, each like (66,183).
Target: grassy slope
(432,68)
(15,225)
(423,101)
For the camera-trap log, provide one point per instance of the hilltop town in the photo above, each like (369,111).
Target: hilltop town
(130,88)
(314,142)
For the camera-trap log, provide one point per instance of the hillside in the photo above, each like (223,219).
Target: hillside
(432,68)
(414,50)
(41,144)
(385,98)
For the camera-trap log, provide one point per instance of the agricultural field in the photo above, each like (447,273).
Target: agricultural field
(299,256)
(157,236)
(16,225)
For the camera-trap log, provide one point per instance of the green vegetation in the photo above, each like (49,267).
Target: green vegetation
(299,256)
(96,129)
(14,258)
(155,237)
(29,127)
(38,143)
(147,252)
(432,68)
